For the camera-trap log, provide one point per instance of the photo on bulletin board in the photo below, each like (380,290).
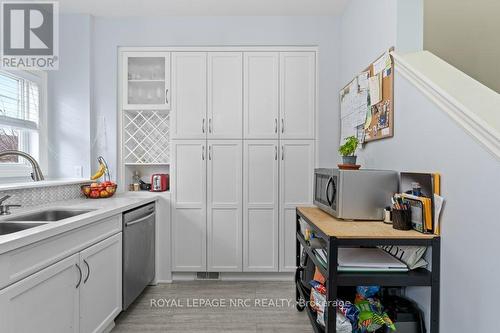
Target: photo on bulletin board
(367,102)
(380,117)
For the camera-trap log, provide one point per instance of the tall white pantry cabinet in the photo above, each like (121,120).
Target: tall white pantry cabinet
(242,127)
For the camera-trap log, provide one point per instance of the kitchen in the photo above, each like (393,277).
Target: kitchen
(150,180)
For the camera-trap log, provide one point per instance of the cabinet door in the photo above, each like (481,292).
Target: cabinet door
(225,204)
(189,190)
(101,287)
(146,80)
(296,189)
(45,302)
(225,95)
(260,206)
(189,95)
(297,95)
(261,95)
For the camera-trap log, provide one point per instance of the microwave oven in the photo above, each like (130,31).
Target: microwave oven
(354,194)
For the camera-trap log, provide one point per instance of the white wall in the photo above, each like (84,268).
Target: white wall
(426,139)
(69,100)
(109,33)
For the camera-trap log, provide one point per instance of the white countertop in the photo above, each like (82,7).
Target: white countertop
(101,208)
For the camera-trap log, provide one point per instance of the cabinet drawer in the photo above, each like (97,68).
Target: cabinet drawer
(19,263)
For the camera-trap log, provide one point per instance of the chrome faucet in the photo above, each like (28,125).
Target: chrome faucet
(4,209)
(36,175)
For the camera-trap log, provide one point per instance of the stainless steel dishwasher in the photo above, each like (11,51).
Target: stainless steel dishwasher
(138,251)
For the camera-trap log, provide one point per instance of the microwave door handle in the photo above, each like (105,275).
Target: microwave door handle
(330,181)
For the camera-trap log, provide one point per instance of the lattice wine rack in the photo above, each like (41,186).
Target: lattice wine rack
(146,137)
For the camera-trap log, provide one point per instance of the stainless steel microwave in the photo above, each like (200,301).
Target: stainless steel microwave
(354,194)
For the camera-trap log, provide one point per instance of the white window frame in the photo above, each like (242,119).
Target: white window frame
(24,169)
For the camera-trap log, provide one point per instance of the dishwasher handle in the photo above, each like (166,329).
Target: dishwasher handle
(142,219)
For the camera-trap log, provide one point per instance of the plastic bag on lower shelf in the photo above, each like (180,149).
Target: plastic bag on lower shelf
(371,312)
(318,304)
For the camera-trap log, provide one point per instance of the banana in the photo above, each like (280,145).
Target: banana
(100,172)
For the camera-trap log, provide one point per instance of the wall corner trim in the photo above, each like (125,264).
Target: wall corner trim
(476,127)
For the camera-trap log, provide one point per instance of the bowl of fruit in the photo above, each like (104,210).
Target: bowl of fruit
(98,190)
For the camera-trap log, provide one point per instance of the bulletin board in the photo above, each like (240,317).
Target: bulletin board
(367,102)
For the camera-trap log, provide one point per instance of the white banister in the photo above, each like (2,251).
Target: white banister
(471,104)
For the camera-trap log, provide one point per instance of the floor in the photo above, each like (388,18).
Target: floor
(215,306)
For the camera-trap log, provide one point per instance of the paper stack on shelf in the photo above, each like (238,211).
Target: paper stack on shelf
(368,260)
(321,256)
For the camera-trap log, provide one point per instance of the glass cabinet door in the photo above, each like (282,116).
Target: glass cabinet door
(147,80)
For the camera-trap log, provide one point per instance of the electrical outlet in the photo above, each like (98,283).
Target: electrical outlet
(78,171)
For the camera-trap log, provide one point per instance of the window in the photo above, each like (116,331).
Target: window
(21,120)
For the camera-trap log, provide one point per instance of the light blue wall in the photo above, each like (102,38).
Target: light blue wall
(426,139)
(69,100)
(367,29)
(109,33)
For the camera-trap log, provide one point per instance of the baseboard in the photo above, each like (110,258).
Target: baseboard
(244,276)
(267,276)
(109,327)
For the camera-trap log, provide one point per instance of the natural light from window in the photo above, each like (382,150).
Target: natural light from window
(19,120)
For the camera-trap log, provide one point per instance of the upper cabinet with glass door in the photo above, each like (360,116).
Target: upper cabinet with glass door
(146,80)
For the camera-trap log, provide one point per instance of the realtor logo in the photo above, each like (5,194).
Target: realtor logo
(29,35)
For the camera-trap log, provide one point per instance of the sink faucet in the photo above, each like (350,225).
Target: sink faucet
(4,209)
(36,175)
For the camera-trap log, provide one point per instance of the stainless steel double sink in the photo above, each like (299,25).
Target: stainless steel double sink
(28,221)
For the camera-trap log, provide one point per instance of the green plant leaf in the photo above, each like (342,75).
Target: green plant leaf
(349,147)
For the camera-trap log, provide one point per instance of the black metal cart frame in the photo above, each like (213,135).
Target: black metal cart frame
(335,279)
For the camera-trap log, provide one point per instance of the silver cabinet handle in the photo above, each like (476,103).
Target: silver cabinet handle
(210,153)
(282,125)
(166,96)
(275,153)
(131,223)
(282,153)
(210,125)
(88,270)
(203,153)
(80,276)
(203,125)
(275,125)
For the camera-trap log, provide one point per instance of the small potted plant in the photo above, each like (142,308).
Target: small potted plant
(348,149)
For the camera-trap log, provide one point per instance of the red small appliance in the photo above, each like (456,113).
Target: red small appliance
(160,182)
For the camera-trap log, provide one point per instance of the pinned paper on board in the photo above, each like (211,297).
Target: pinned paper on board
(354,107)
(363,81)
(375,87)
(382,63)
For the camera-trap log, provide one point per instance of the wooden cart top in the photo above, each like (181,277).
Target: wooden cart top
(334,227)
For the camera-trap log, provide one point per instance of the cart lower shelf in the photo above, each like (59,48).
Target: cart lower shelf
(310,313)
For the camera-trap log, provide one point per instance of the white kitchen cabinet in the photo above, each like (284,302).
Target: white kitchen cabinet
(189,220)
(225,95)
(260,206)
(261,95)
(224,204)
(45,302)
(297,95)
(146,80)
(101,286)
(296,189)
(189,95)
(82,293)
